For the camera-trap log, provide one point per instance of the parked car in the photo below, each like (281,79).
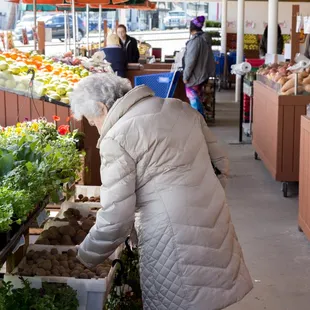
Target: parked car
(57,24)
(26,22)
(176,19)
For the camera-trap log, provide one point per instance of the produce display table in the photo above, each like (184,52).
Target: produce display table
(304,177)
(17,108)
(276,132)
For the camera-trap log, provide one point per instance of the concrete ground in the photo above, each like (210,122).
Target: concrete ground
(276,253)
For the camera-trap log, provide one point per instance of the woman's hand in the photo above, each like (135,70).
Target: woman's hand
(185,82)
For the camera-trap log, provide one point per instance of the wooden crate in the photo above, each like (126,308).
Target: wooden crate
(276,131)
(304,177)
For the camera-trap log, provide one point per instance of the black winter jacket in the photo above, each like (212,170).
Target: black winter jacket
(131,48)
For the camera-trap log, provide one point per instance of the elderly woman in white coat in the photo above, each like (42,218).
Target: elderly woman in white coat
(157,172)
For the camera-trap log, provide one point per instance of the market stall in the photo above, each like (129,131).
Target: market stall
(304,177)
(279,105)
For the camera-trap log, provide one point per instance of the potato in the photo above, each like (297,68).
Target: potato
(91,275)
(56,272)
(65,274)
(289,84)
(87,225)
(63,257)
(54,251)
(67,230)
(307,88)
(40,272)
(65,264)
(103,275)
(291,91)
(71,253)
(43,241)
(66,240)
(75,273)
(306,81)
(71,265)
(83,275)
(46,265)
(48,273)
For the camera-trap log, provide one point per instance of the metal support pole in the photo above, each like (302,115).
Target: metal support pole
(272,41)
(241,109)
(224,27)
(66,30)
(100,24)
(73,27)
(87,28)
(240,43)
(35,22)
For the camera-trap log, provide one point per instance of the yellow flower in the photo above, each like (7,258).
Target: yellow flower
(35,127)
(18,130)
(18,124)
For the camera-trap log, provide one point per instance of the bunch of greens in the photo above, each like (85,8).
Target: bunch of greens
(35,161)
(126,291)
(51,296)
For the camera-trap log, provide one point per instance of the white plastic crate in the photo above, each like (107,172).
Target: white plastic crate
(91,293)
(85,208)
(87,191)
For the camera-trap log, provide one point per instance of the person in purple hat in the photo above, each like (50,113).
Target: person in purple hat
(198,63)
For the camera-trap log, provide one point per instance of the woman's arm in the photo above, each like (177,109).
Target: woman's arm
(217,155)
(115,220)
(190,59)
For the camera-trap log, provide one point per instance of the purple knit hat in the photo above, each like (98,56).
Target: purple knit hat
(198,21)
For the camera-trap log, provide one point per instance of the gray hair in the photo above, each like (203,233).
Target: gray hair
(100,87)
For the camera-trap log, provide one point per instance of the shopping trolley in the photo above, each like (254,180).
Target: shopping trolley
(163,84)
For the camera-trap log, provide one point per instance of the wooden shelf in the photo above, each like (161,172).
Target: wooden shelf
(9,248)
(276,131)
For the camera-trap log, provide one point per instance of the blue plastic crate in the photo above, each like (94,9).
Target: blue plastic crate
(220,61)
(163,84)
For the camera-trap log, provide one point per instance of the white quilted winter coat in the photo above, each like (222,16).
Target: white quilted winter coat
(156,172)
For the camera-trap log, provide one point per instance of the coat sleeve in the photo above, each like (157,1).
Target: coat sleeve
(136,53)
(217,155)
(190,58)
(115,220)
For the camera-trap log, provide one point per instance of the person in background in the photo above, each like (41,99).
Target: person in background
(198,63)
(157,176)
(307,47)
(129,44)
(264,42)
(115,55)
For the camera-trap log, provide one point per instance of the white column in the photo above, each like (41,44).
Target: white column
(272,27)
(122,17)
(87,28)
(240,44)
(100,24)
(66,30)
(35,22)
(224,26)
(73,27)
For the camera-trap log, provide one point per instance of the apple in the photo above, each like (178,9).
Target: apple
(10,84)
(65,100)
(21,87)
(61,90)
(3,65)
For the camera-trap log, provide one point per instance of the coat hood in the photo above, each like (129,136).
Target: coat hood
(122,105)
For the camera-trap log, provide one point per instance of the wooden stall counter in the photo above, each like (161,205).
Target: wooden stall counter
(276,132)
(304,177)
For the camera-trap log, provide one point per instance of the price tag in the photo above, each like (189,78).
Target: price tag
(42,217)
(61,195)
(20,243)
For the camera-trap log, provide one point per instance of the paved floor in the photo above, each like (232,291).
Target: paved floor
(277,254)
